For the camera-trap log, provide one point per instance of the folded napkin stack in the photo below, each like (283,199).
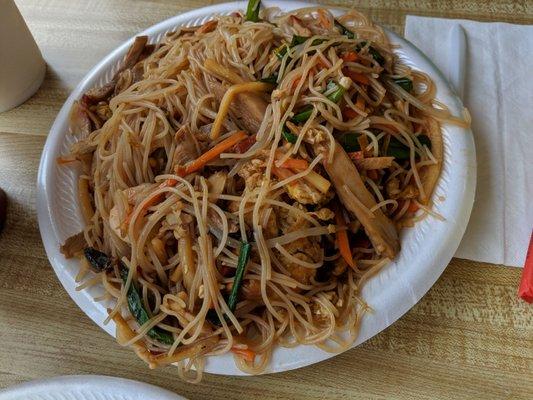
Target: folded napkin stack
(498,91)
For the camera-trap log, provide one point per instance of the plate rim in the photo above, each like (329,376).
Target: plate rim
(302,355)
(85,382)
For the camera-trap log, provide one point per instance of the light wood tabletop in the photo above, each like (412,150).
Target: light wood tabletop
(469,337)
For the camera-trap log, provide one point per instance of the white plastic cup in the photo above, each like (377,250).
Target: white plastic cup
(22,67)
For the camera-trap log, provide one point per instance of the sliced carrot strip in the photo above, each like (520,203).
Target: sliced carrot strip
(356,155)
(413,207)
(350,56)
(298,164)
(356,76)
(349,113)
(66,160)
(212,153)
(247,354)
(360,103)
(342,240)
(282,173)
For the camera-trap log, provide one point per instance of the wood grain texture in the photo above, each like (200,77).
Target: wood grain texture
(468,338)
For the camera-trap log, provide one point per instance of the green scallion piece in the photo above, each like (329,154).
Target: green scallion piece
(376,55)
(344,31)
(272,79)
(289,136)
(302,116)
(252,11)
(139,313)
(281,50)
(405,83)
(334,96)
(337,94)
(399,151)
(349,142)
(296,41)
(244,256)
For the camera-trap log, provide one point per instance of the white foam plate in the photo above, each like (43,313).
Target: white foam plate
(86,387)
(426,249)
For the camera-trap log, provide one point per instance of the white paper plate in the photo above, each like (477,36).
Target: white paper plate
(86,387)
(426,249)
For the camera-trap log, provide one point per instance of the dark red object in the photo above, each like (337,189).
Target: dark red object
(525,291)
(244,145)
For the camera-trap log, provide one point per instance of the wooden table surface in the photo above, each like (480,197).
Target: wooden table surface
(469,337)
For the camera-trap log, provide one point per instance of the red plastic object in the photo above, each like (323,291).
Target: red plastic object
(525,291)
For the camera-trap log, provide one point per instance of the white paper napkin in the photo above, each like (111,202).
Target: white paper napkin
(499,94)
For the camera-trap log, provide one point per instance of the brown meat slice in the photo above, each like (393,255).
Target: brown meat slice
(97,94)
(138,50)
(187,148)
(73,245)
(429,175)
(247,109)
(359,201)
(79,121)
(134,52)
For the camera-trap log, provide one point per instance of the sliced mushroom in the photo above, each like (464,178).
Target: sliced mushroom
(135,52)
(74,245)
(138,50)
(101,93)
(247,110)
(79,121)
(358,200)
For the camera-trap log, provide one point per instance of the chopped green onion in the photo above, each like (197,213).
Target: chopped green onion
(281,50)
(349,142)
(331,84)
(252,12)
(344,31)
(424,140)
(99,261)
(335,96)
(244,256)
(272,79)
(405,83)
(400,151)
(316,42)
(289,136)
(139,313)
(397,150)
(296,41)
(376,55)
(302,116)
